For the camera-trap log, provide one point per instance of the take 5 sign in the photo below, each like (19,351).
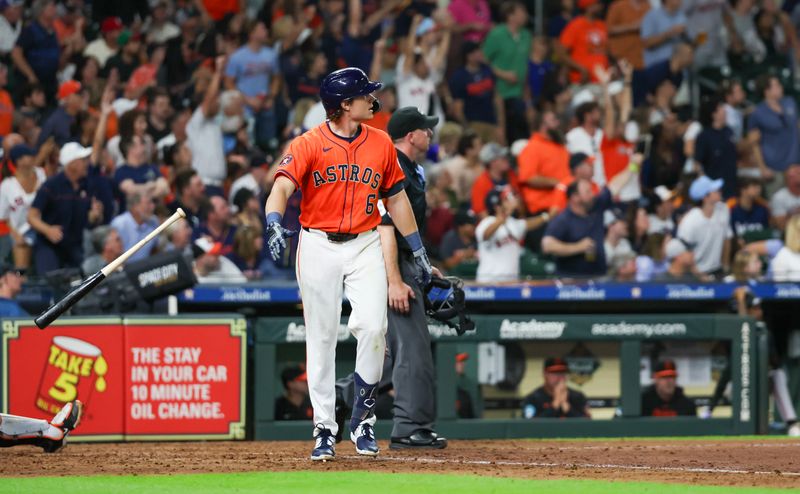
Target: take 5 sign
(139,378)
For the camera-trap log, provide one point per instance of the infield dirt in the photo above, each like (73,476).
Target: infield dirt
(768,462)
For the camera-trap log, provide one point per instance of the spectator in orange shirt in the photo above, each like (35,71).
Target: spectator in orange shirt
(543,164)
(582,44)
(498,174)
(6,105)
(217,9)
(624,22)
(619,134)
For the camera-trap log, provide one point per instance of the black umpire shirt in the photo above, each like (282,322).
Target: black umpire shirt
(653,405)
(539,404)
(415,189)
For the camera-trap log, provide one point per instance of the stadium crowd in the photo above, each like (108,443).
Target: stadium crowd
(630,141)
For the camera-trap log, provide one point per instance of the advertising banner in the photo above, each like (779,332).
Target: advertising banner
(141,378)
(81,359)
(526,327)
(184,379)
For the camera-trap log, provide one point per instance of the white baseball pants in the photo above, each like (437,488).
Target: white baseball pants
(326,270)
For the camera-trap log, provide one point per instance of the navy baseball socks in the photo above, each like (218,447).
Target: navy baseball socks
(361,431)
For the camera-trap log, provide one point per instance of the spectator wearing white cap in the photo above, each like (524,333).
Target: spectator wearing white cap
(616,244)
(661,209)
(707,228)
(62,210)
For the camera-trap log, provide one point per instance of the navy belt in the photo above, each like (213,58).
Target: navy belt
(339,238)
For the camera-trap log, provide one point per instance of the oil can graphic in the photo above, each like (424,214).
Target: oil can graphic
(74,369)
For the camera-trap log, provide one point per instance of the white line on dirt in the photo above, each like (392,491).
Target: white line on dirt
(618,446)
(606,466)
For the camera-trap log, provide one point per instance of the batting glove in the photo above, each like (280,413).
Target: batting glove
(276,235)
(423,268)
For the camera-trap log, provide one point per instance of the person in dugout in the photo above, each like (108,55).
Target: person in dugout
(554,399)
(664,398)
(464,408)
(294,404)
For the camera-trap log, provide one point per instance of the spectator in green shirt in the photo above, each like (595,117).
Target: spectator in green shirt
(507,48)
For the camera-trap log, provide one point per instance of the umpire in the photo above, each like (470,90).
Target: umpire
(408,341)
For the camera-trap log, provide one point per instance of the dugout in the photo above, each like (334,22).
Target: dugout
(626,339)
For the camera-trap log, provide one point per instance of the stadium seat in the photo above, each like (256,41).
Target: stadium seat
(535,266)
(465,270)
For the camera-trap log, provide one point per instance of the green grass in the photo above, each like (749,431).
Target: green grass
(347,483)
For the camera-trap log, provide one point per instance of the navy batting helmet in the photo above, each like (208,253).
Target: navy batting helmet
(345,84)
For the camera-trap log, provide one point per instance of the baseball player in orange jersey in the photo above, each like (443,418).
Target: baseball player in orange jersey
(343,169)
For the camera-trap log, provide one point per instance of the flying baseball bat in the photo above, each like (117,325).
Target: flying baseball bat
(50,315)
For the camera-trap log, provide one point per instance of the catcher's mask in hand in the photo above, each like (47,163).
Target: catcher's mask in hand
(444,301)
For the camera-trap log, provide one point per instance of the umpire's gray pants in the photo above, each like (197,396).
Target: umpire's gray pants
(408,365)
(409,357)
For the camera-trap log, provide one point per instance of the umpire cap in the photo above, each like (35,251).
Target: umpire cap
(345,84)
(408,119)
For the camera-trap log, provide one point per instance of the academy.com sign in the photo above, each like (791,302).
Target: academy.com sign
(296,333)
(639,329)
(531,330)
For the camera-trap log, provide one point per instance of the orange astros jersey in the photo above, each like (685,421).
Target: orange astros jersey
(342,181)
